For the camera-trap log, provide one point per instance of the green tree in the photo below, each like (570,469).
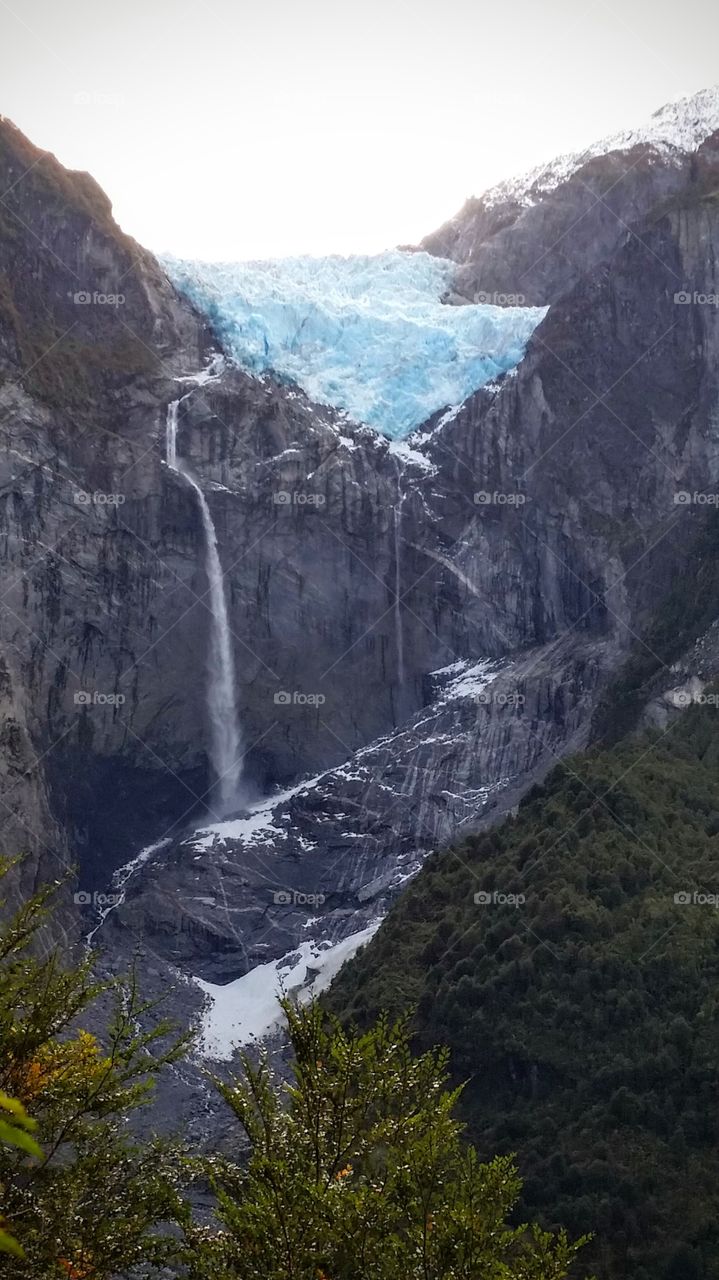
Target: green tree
(95,1201)
(357,1171)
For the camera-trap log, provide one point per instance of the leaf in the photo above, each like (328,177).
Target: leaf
(16,1133)
(17,1109)
(8,1245)
(18,1138)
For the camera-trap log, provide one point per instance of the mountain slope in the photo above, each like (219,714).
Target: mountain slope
(532,525)
(679,126)
(570,959)
(555,584)
(531,239)
(526,533)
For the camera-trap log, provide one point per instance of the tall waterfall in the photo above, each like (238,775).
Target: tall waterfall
(225,739)
(171,435)
(399,637)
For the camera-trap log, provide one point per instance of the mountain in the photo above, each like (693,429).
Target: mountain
(81,376)
(530,239)
(521,608)
(419,628)
(676,128)
(569,959)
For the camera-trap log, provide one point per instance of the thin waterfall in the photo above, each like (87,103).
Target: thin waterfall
(225,739)
(399,637)
(171,435)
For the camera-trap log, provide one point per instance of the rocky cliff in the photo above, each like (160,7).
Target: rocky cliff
(535,235)
(419,629)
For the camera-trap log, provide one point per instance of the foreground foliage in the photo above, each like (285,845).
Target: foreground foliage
(586,1016)
(88,1204)
(16,1133)
(357,1172)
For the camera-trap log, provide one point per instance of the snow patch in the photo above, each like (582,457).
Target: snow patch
(411,457)
(257,824)
(248,1008)
(467,678)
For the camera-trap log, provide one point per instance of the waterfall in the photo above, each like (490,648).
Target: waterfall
(171,435)
(399,637)
(225,740)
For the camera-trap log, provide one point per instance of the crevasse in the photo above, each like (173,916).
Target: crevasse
(367,335)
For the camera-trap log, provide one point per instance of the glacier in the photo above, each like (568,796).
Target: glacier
(368,335)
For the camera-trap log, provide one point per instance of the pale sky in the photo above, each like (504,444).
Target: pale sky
(225,129)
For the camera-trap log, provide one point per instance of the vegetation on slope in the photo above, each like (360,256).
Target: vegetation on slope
(570,959)
(56,226)
(91,1202)
(356,1171)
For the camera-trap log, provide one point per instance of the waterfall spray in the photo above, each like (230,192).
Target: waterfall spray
(225,740)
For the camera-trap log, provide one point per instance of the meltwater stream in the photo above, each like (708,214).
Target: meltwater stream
(225,739)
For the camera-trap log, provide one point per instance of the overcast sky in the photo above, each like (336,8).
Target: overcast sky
(224,129)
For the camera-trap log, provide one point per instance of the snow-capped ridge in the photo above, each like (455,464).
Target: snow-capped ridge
(682,125)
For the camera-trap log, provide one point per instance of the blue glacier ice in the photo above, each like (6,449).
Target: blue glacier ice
(367,335)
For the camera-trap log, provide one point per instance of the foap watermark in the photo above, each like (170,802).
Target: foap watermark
(495,898)
(84,298)
(83,898)
(283,698)
(500,698)
(82,498)
(694,297)
(501,299)
(292,898)
(685,498)
(296,498)
(695,898)
(87,98)
(86,698)
(690,698)
(499,499)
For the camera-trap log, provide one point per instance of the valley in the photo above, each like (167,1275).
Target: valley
(336,588)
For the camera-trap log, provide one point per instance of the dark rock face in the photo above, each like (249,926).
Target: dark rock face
(329,854)
(537,252)
(519,540)
(305,518)
(90,335)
